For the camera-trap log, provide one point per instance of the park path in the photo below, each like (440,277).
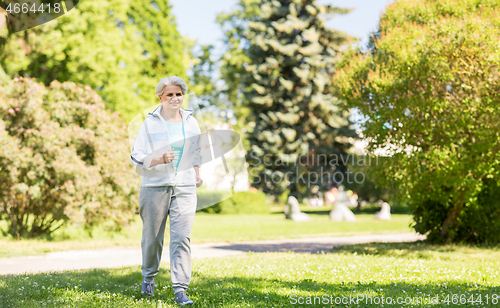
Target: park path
(130,256)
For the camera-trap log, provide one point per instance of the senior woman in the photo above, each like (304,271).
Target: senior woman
(167,153)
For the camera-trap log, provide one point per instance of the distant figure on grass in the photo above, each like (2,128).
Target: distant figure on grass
(292,210)
(169,163)
(341,212)
(315,201)
(385,212)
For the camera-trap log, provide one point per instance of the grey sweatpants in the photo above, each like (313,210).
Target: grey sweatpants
(155,204)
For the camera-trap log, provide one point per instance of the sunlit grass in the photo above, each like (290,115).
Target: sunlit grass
(273,279)
(209,228)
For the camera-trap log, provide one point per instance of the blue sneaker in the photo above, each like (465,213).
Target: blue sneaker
(148,288)
(182,299)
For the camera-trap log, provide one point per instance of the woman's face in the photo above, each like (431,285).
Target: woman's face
(172,97)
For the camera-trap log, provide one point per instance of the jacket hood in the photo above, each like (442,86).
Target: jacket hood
(185,113)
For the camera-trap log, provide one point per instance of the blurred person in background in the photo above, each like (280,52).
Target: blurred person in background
(331,194)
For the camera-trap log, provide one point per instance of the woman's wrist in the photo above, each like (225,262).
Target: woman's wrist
(155,161)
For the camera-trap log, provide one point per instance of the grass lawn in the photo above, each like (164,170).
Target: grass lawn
(211,228)
(399,271)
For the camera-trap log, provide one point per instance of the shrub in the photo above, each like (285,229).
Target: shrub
(63,157)
(372,208)
(243,202)
(365,184)
(207,199)
(477,223)
(120,48)
(480,222)
(429,88)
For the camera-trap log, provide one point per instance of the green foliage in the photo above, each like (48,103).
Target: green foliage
(362,171)
(208,86)
(430,86)
(202,70)
(120,48)
(483,217)
(478,223)
(63,157)
(279,61)
(207,198)
(4,32)
(4,36)
(373,208)
(243,202)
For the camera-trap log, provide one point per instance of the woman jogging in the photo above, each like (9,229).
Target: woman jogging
(167,153)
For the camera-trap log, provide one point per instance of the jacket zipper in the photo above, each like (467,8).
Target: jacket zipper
(168,135)
(183,145)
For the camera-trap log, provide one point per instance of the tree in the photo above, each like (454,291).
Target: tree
(63,157)
(120,48)
(4,31)
(202,78)
(279,63)
(361,168)
(429,85)
(4,36)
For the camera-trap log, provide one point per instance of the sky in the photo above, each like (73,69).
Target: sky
(196,19)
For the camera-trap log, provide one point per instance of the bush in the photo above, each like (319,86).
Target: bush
(63,157)
(429,88)
(120,48)
(372,208)
(243,202)
(478,223)
(366,186)
(207,199)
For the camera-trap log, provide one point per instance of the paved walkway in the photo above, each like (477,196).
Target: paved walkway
(123,256)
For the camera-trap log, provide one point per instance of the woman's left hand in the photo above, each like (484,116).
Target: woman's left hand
(199,181)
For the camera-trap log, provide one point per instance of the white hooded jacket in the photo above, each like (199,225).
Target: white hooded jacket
(153,140)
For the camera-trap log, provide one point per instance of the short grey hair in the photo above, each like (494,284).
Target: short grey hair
(171,81)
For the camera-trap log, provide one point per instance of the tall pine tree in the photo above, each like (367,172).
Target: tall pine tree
(279,62)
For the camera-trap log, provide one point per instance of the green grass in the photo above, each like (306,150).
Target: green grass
(406,270)
(210,228)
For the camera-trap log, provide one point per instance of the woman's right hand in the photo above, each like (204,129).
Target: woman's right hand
(167,157)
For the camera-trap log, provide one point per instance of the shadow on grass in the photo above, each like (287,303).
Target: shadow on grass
(318,212)
(309,212)
(418,249)
(313,248)
(99,288)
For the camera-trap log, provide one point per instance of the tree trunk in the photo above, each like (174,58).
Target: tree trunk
(452,218)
